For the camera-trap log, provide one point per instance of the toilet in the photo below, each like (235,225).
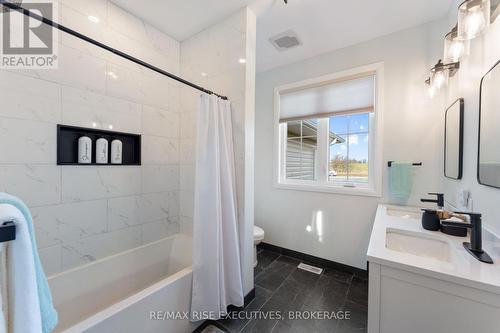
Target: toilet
(258,236)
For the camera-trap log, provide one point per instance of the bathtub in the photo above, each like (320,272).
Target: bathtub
(120,293)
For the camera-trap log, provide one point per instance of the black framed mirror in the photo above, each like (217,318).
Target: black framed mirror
(488,161)
(454,140)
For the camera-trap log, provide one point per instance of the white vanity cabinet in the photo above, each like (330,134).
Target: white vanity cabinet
(412,292)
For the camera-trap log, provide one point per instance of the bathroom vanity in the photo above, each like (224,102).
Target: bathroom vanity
(425,281)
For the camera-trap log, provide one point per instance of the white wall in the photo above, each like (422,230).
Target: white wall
(485,52)
(216,52)
(85,213)
(410,128)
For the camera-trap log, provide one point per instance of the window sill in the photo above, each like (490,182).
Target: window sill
(324,188)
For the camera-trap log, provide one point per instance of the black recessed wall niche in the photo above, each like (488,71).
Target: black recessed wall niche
(67,145)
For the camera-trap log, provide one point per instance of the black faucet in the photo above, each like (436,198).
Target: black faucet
(475,247)
(439,201)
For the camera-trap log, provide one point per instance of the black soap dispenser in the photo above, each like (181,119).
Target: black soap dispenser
(430,220)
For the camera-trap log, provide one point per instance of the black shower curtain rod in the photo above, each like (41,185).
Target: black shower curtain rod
(76,34)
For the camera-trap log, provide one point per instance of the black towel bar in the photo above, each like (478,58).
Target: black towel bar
(389,164)
(7,232)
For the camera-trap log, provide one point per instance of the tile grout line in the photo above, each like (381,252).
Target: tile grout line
(273,292)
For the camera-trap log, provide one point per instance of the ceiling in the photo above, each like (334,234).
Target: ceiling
(322,25)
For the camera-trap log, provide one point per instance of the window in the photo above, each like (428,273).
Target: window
(349,158)
(301,145)
(326,133)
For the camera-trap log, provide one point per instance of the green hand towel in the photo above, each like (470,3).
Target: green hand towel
(400,180)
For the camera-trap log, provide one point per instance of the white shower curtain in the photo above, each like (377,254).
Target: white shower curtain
(217,279)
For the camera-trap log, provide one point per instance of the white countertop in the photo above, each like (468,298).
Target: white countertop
(463,268)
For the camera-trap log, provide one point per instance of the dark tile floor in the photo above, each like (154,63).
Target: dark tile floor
(280,287)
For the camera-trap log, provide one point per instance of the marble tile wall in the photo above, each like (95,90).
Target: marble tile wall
(85,213)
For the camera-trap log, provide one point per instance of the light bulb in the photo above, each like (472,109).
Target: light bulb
(474,23)
(457,50)
(439,80)
(454,47)
(473,18)
(431,91)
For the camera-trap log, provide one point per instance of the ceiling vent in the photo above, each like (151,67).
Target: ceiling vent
(285,40)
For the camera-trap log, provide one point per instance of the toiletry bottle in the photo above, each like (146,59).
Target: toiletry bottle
(101,148)
(84,150)
(116,152)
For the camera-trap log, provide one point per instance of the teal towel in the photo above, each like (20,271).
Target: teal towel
(47,311)
(400,180)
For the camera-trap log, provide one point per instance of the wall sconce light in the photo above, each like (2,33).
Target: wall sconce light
(473,18)
(440,74)
(454,47)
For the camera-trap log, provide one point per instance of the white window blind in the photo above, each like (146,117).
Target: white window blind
(347,96)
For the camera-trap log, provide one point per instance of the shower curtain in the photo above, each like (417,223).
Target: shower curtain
(217,280)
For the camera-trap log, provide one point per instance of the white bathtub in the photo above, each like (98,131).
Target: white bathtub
(118,293)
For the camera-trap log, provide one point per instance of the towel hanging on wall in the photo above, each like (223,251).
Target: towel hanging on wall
(400,179)
(25,269)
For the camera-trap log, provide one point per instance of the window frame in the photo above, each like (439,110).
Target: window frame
(322,184)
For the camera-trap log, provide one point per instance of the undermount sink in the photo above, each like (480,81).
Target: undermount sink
(405,214)
(418,245)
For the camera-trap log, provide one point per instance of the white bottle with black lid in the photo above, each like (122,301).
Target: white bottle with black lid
(84,150)
(101,150)
(116,152)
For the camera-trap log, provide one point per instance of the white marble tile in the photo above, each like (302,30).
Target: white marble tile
(123,212)
(174,96)
(126,23)
(157,59)
(160,178)
(84,47)
(190,99)
(160,122)
(159,150)
(36,185)
(28,98)
(187,177)
(186,225)
(187,151)
(27,141)
(119,40)
(157,206)
(189,123)
(77,69)
(96,8)
(51,258)
(85,250)
(124,82)
(187,203)
(103,209)
(62,223)
(155,88)
(157,230)
(78,20)
(89,183)
(84,108)
(161,42)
